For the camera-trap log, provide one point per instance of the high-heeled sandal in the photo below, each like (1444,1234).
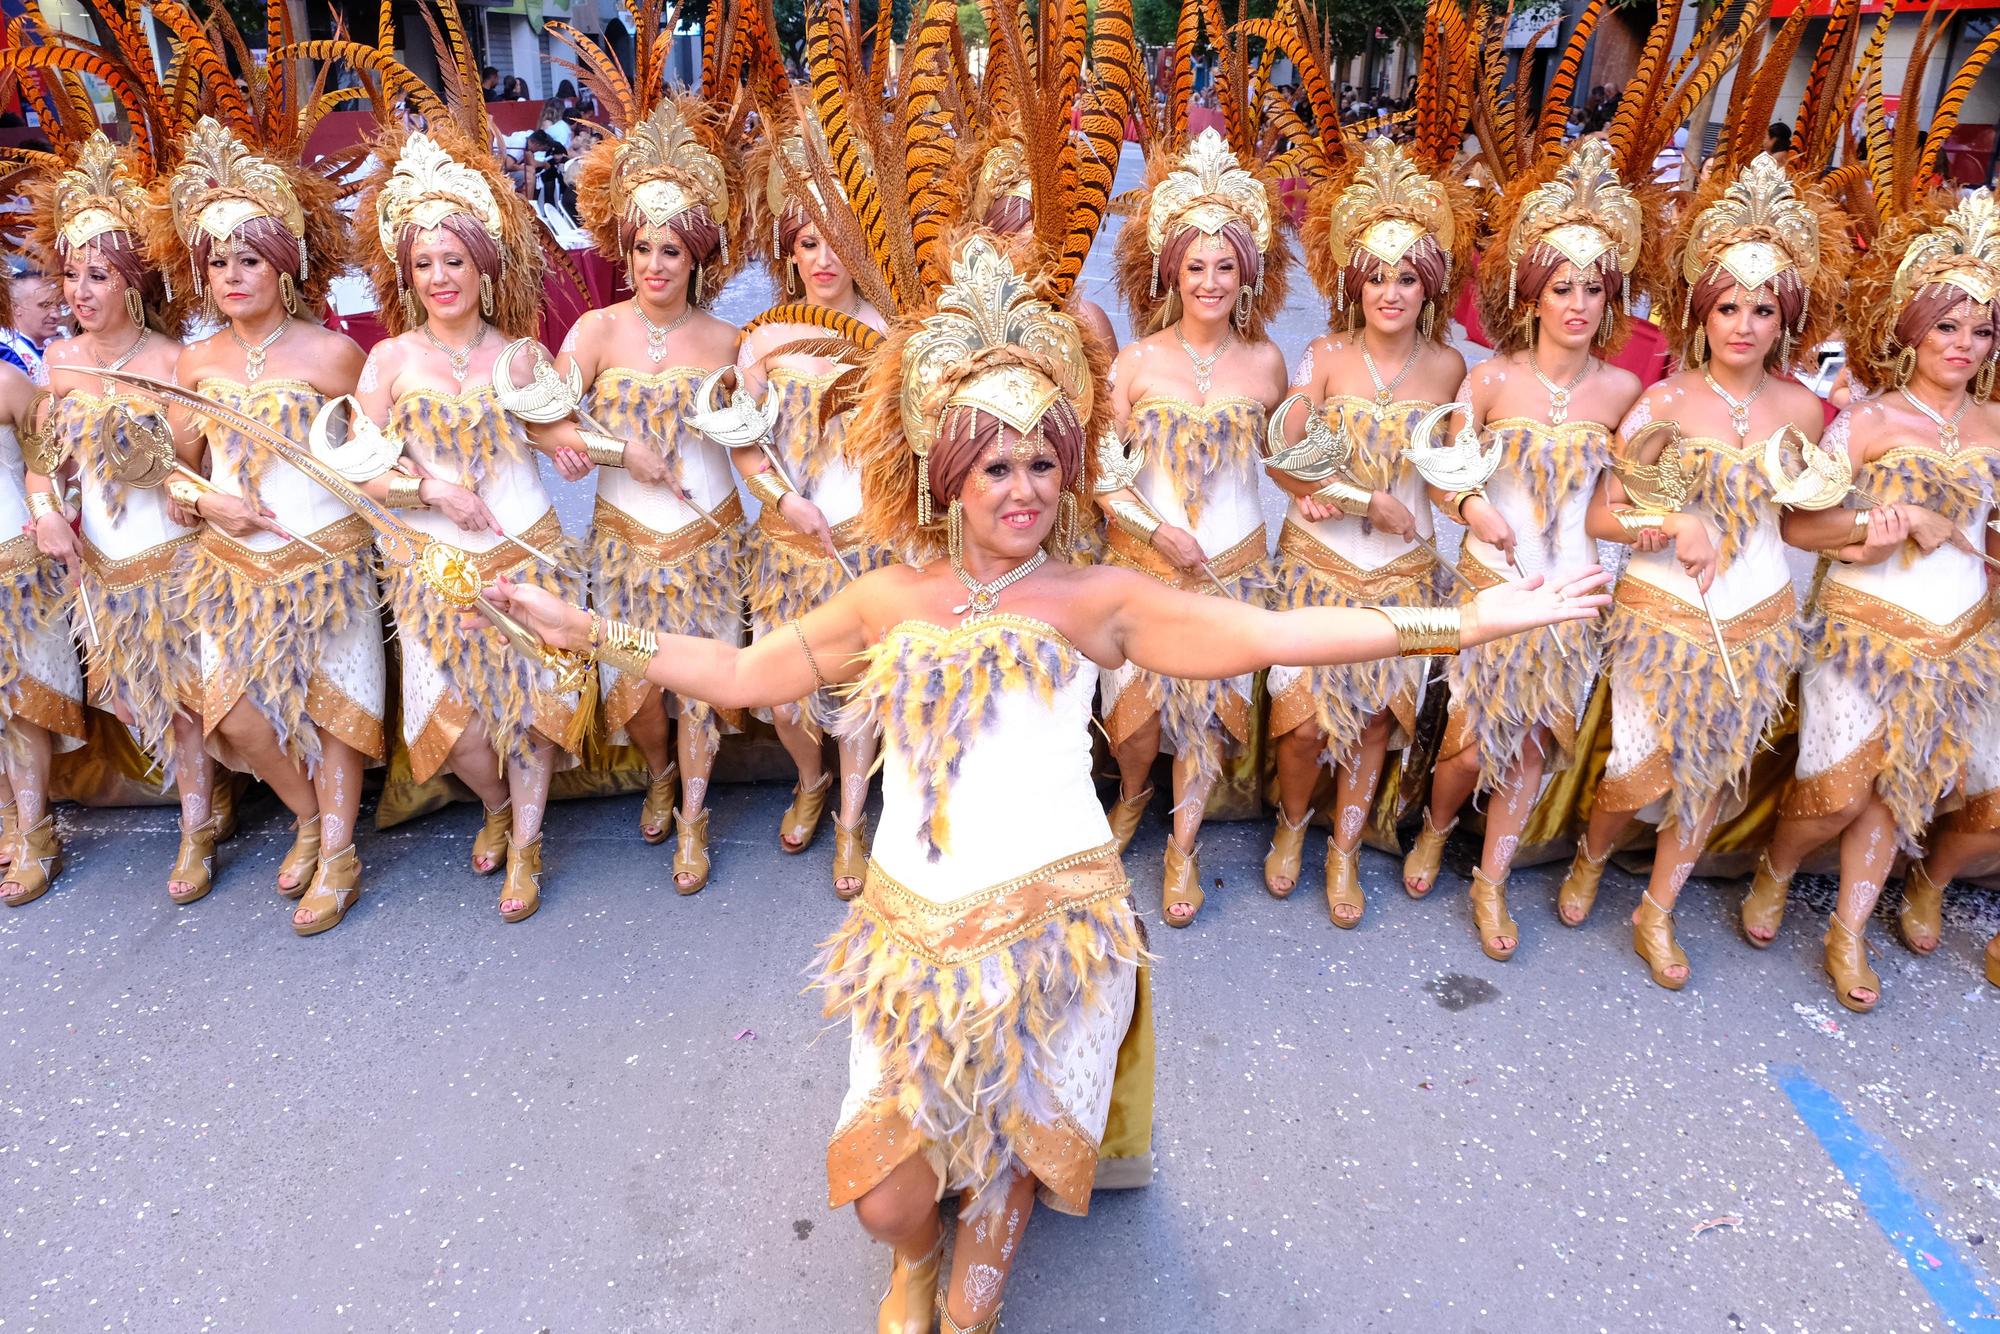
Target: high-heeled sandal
(1653,941)
(657,810)
(1288,848)
(1922,913)
(1426,856)
(690,851)
(1182,885)
(8,816)
(946,1325)
(1125,814)
(1490,917)
(850,857)
(222,808)
(37,861)
(802,817)
(1993,959)
(493,839)
(1343,886)
(913,1290)
(1578,894)
(1764,905)
(334,890)
(524,879)
(1846,962)
(194,865)
(303,860)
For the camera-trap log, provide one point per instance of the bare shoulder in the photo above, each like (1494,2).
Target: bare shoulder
(717,337)
(1618,380)
(1806,409)
(338,356)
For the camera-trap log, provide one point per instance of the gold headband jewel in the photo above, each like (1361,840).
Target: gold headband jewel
(1584,213)
(1963,251)
(1758,229)
(663,169)
(428,186)
(1208,191)
(97,195)
(1388,207)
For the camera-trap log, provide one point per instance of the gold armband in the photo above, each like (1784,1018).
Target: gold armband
(405,491)
(768,487)
(603,450)
(1456,500)
(1635,522)
(1425,632)
(1859,533)
(1345,496)
(41,503)
(626,647)
(1135,519)
(183,492)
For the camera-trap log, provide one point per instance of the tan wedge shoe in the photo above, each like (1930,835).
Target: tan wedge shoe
(802,817)
(690,851)
(657,810)
(1125,814)
(1764,905)
(1653,941)
(194,865)
(1490,917)
(1920,921)
(1846,962)
(1578,894)
(1181,887)
(524,879)
(1343,886)
(1420,868)
(850,858)
(37,861)
(1288,847)
(913,1289)
(302,862)
(493,839)
(334,890)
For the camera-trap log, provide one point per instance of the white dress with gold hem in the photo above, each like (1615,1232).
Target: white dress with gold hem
(989,968)
(40,680)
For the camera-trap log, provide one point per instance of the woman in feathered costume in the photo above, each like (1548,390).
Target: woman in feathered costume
(1897,713)
(665,199)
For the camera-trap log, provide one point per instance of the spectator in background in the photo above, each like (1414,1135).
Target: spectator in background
(566,94)
(552,123)
(1778,142)
(489,84)
(1670,161)
(37,319)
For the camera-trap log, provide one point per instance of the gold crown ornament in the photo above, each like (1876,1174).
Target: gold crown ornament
(427,186)
(1207,190)
(992,345)
(97,195)
(1003,174)
(1386,208)
(1756,231)
(1962,251)
(220,185)
(661,169)
(1583,213)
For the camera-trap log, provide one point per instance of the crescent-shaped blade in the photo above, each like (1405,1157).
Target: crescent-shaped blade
(741,424)
(1118,463)
(547,396)
(1462,465)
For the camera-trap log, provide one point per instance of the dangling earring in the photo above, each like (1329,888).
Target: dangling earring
(954,529)
(288,293)
(1534,329)
(1069,529)
(1245,301)
(694,288)
(794,286)
(1606,325)
(135,306)
(1427,322)
(1982,383)
(412,312)
(1906,365)
(486,295)
(1785,349)
(1698,349)
(631,277)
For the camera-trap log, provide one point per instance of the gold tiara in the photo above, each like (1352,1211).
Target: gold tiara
(662,169)
(1208,190)
(1963,251)
(97,195)
(1388,207)
(1584,213)
(428,186)
(220,185)
(1758,228)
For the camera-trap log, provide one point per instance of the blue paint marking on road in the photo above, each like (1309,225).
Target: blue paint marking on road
(1872,1168)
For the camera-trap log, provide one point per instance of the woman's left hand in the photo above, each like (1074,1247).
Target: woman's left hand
(1528,604)
(547,616)
(573,464)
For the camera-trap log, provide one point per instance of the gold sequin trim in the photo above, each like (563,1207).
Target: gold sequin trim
(1925,639)
(1127,550)
(974,925)
(667,548)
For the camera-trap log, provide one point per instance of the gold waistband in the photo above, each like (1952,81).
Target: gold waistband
(1657,607)
(846,534)
(667,548)
(1303,545)
(119,575)
(497,560)
(975,925)
(1129,550)
(18,552)
(1926,639)
(341,538)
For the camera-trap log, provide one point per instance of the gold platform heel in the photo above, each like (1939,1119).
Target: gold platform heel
(1846,962)
(194,865)
(913,1288)
(1920,920)
(850,858)
(1653,941)
(1993,959)
(1288,847)
(524,879)
(657,810)
(1343,886)
(303,860)
(1182,885)
(1426,857)
(691,851)
(1490,917)
(37,861)
(802,817)
(1764,905)
(1125,814)
(333,892)
(1578,894)
(493,839)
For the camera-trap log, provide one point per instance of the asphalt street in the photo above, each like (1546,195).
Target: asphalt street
(613,1117)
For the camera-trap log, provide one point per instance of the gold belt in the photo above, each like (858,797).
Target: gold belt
(341,538)
(1303,545)
(118,576)
(1926,639)
(1128,550)
(667,548)
(846,534)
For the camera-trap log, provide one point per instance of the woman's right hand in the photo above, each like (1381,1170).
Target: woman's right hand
(1694,549)
(1928,529)
(1485,522)
(807,517)
(1888,528)
(458,504)
(547,616)
(1179,547)
(1391,515)
(234,516)
(55,539)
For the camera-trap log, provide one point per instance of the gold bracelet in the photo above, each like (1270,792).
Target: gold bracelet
(1859,533)
(1635,522)
(41,503)
(183,492)
(768,487)
(627,647)
(1135,519)
(1345,496)
(603,450)
(1426,632)
(811,661)
(405,492)
(1457,500)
